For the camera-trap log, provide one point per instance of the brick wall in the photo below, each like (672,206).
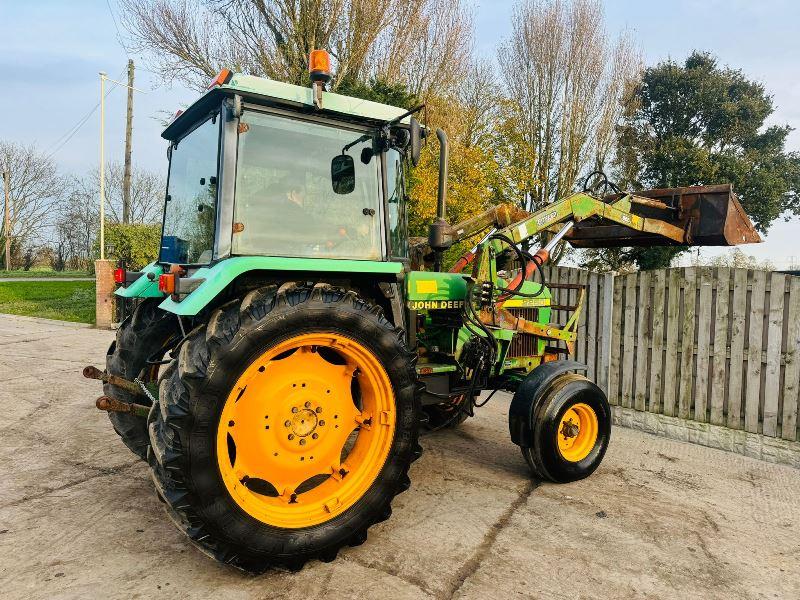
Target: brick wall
(104,270)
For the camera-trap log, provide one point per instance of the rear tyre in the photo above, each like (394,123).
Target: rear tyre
(571,430)
(285,427)
(147,333)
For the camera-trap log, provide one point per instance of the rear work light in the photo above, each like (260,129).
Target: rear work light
(166,283)
(119,275)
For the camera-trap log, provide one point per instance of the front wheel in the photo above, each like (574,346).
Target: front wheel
(286,427)
(571,430)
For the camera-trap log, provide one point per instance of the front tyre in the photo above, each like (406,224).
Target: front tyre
(571,430)
(285,427)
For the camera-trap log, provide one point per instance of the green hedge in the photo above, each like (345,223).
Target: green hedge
(137,245)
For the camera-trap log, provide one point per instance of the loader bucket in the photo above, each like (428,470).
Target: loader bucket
(710,215)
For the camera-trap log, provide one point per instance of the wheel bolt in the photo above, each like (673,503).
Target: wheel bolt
(302,442)
(291,436)
(294,409)
(319,409)
(314,435)
(322,423)
(287,423)
(308,405)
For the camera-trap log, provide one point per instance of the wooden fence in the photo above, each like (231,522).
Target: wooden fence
(594,325)
(713,345)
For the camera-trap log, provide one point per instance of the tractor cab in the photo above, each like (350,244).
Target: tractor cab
(262,168)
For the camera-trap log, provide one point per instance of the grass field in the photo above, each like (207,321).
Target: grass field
(42,273)
(64,300)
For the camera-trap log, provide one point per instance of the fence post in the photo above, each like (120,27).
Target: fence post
(604,343)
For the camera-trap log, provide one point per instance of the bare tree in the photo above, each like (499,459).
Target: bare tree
(477,98)
(34,185)
(147,193)
(75,232)
(620,86)
(415,42)
(565,85)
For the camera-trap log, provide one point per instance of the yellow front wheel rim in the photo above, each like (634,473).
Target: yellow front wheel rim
(306,430)
(577,432)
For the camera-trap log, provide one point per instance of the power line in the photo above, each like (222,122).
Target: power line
(119,35)
(70,133)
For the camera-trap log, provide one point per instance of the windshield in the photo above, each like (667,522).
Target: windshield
(285,199)
(190,208)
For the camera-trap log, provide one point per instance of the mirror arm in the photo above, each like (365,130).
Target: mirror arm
(396,120)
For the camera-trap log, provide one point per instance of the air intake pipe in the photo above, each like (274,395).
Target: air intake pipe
(438,240)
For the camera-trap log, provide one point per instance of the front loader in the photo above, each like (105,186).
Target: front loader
(290,341)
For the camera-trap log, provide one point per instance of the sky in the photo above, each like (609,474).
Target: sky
(51,52)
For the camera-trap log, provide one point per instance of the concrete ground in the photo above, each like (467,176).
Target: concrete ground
(659,519)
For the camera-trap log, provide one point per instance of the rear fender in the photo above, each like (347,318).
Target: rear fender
(211,281)
(528,394)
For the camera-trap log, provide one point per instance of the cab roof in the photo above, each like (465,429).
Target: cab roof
(275,93)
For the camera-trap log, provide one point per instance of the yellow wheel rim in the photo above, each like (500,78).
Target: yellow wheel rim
(306,430)
(577,432)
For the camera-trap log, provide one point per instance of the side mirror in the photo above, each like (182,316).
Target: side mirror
(416,141)
(343,174)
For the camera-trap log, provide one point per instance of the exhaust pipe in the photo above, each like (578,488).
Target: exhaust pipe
(444,160)
(438,239)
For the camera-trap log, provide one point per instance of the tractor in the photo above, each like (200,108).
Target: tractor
(290,341)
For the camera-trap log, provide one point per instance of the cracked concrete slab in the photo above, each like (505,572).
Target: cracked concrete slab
(661,518)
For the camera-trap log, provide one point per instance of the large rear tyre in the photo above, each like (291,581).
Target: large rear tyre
(146,333)
(285,427)
(571,430)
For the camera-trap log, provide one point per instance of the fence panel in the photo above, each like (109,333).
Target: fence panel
(721,304)
(737,356)
(643,342)
(717,345)
(791,374)
(659,310)
(758,291)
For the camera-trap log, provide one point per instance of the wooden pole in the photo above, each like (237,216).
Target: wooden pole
(126,179)
(6,175)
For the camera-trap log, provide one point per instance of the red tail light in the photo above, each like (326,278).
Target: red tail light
(119,275)
(166,283)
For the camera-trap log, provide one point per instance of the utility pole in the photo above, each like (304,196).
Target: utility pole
(6,176)
(103,77)
(126,179)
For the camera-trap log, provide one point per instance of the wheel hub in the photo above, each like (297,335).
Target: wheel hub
(303,422)
(291,425)
(577,432)
(570,429)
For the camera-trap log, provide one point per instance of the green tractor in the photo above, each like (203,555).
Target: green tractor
(290,341)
